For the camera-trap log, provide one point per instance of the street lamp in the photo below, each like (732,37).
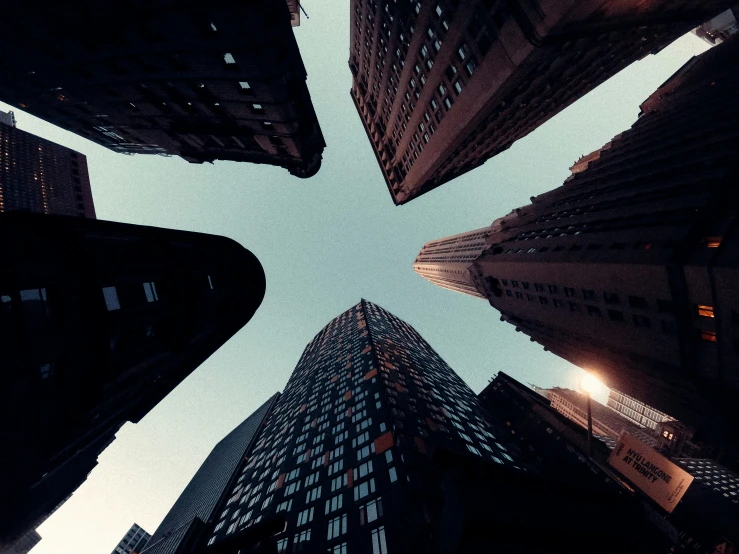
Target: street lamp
(590,384)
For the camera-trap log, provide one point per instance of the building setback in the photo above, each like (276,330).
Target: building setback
(442,86)
(720,28)
(133,542)
(99,321)
(607,423)
(184,524)
(40,176)
(202,80)
(628,269)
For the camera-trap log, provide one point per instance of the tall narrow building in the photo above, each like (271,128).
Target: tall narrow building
(344,456)
(442,86)
(38,175)
(203,80)
(183,526)
(133,542)
(629,268)
(99,321)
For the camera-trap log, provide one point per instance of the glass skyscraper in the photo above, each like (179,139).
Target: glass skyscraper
(347,455)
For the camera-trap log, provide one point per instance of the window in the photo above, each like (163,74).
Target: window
(705,311)
(638,302)
(709,336)
(291,488)
(641,321)
(364,489)
(313,494)
(574,307)
(285,506)
(244,85)
(305,516)
(379,546)
(364,469)
(311,479)
(335,503)
(338,482)
(111,298)
(611,298)
(593,310)
(364,452)
(570,292)
(228,58)
(282,545)
(150,290)
(615,315)
(370,511)
(303,536)
(336,467)
(338,549)
(336,527)
(713,242)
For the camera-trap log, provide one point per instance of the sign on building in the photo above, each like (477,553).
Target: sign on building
(655,475)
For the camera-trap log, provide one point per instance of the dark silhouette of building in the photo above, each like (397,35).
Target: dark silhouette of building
(202,80)
(629,268)
(38,175)
(370,449)
(99,321)
(442,86)
(183,525)
(25,543)
(706,517)
(133,542)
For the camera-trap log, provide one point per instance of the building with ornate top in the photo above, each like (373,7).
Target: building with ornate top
(201,80)
(442,86)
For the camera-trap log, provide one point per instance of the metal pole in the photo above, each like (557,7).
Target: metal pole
(590,429)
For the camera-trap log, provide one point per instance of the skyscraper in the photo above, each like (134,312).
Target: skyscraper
(38,175)
(202,80)
(636,411)
(447,262)
(628,268)
(184,524)
(133,542)
(442,86)
(345,453)
(99,321)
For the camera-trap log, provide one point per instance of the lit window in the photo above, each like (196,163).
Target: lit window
(244,85)
(705,311)
(210,282)
(150,290)
(713,242)
(709,336)
(111,298)
(213,26)
(229,59)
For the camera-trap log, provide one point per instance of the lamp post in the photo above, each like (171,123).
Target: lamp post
(589,384)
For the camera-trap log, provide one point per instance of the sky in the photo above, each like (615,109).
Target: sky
(324,243)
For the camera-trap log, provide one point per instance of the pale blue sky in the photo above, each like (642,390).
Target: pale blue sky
(324,244)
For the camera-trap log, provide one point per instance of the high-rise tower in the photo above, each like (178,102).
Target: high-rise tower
(41,176)
(628,268)
(442,86)
(203,80)
(99,321)
(344,456)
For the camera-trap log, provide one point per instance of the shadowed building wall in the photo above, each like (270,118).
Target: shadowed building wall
(99,321)
(202,80)
(442,86)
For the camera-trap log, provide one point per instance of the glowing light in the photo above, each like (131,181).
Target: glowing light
(590,384)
